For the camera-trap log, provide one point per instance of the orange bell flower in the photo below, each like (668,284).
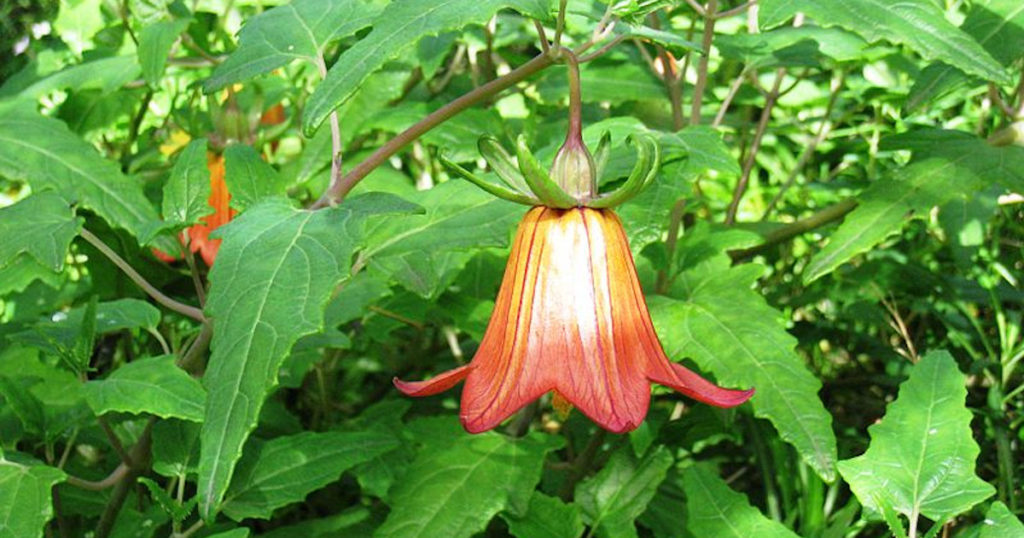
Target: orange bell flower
(571,318)
(199,234)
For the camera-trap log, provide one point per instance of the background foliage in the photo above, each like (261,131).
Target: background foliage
(837,222)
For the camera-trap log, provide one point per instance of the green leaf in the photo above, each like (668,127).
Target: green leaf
(153,385)
(714,509)
(43,226)
(325,527)
(25,498)
(921,456)
(423,252)
(45,154)
(992,165)
(481,475)
(25,406)
(613,498)
(603,82)
(155,43)
(998,26)
(1000,522)
(286,469)
(918,24)
(400,25)
(275,271)
(103,74)
(249,178)
(175,447)
(187,192)
(804,46)
(885,205)
(703,150)
(295,31)
(546,517)
(715,318)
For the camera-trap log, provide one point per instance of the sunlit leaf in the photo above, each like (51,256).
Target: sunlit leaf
(42,226)
(619,493)
(25,498)
(921,457)
(153,385)
(275,271)
(714,509)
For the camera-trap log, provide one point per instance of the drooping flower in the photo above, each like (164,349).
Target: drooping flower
(570,318)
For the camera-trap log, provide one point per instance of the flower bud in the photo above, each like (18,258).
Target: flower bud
(574,170)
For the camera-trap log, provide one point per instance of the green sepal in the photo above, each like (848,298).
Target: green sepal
(648,158)
(496,190)
(601,154)
(543,187)
(501,162)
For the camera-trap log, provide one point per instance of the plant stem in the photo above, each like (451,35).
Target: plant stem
(789,231)
(113,478)
(140,456)
(321,66)
(337,191)
(675,222)
(734,88)
(560,24)
(755,146)
(702,66)
(189,359)
(157,295)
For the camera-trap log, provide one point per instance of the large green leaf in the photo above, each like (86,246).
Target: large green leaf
(715,318)
(997,25)
(25,498)
(423,252)
(400,25)
(45,154)
(547,517)
(153,385)
(714,509)
(103,74)
(918,24)
(298,30)
(275,271)
(458,482)
(187,191)
(155,42)
(286,469)
(804,46)
(947,165)
(921,456)
(42,226)
(613,498)
(1000,522)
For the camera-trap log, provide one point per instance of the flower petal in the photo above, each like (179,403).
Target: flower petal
(684,380)
(434,385)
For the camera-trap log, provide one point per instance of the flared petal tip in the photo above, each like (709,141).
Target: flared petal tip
(434,385)
(732,398)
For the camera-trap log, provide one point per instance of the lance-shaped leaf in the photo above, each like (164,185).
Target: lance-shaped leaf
(400,25)
(487,186)
(501,162)
(297,30)
(613,498)
(538,179)
(646,169)
(25,496)
(286,469)
(155,42)
(715,318)
(42,225)
(44,153)
(921,457)
(714,509)
(919,24)
(187,192)
(480,474)
(153,385)
(274,274)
